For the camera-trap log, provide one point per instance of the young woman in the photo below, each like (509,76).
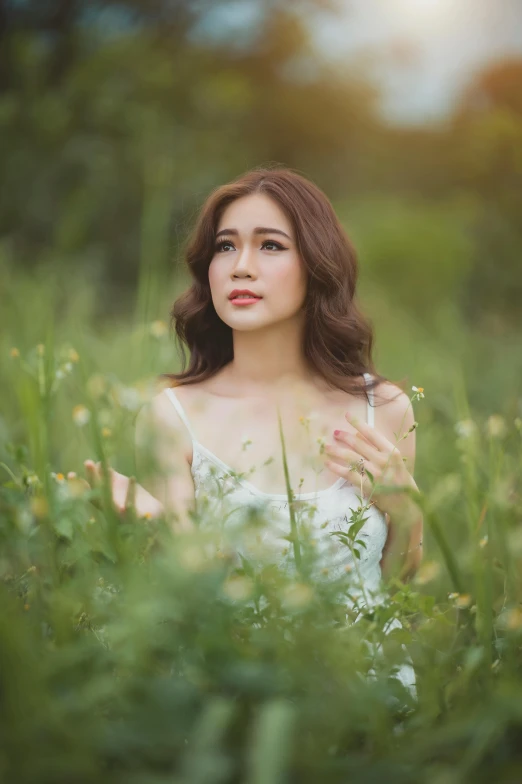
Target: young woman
(274,330)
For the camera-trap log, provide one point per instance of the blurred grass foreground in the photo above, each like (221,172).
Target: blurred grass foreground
(130,654)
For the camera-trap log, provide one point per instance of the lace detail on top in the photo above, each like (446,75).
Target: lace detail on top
(223,494)
(227,500)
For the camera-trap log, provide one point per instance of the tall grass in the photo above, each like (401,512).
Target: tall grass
(128,653)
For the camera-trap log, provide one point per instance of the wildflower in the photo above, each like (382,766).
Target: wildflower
(463,600)
(466,428)
(14,352)
(513,619)
(158,329)
(81,415)
(73,355)
(348,568)
(192,558)
(106,432)
(26,606)
(427,572)
(39,506)
(483,542)
(59,478)
(31,570)
(238,587)
(76,486)
(419,393)
(128,397)
(297,595)
(32,480)
(496,426)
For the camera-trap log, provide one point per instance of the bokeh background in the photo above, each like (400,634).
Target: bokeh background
(117,118)
(125,654)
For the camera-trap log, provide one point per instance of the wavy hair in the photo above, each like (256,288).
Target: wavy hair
(337,339)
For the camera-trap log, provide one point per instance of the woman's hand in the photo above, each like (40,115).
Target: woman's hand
(380,457)
(125,492)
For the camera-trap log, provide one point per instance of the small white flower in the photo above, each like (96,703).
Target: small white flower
(158,329)
(419,392)
(496,426)
(129,398)
(465,428)
(81,415)
(297,595)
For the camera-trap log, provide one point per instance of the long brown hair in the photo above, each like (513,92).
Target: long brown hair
(338,338)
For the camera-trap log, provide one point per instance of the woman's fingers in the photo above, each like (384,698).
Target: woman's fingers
(92,471)
(127,494)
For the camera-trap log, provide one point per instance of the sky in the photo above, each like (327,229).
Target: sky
(422,52)
(428,49)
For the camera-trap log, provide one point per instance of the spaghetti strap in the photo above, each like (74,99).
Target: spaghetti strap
(179,408)
(370,408)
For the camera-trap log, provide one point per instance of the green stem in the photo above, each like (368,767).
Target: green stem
(291,500)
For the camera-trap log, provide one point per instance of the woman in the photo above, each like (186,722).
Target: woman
(273,329)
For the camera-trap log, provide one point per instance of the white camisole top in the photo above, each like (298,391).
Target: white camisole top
(322,512)
(228,497)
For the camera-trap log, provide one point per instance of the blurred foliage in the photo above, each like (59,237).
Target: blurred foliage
(117,118)
(124,654)
(130,654)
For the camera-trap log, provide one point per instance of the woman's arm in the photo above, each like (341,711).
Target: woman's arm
(160,450)
(402,554)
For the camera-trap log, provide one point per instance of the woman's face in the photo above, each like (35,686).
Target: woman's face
(266,263)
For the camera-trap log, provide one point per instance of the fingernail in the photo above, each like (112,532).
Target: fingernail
(336,432)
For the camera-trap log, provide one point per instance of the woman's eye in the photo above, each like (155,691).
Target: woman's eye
(221,245)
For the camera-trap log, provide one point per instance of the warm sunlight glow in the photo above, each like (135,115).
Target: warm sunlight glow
(423,9)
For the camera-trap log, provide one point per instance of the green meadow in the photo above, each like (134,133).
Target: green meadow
(130,653)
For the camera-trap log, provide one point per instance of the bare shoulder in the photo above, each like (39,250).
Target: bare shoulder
(158,417)
(394,418)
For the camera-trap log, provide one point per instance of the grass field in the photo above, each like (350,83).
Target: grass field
(129,654)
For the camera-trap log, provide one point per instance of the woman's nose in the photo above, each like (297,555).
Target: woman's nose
(245,262)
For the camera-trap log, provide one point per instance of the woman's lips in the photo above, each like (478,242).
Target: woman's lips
(245,300)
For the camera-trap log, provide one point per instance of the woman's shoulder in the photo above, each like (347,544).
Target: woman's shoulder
(392,403)
(394,417)
(159,413)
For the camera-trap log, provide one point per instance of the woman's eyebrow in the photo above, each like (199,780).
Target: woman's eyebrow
(257,230)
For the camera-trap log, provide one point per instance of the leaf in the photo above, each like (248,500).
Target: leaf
(271,743)
(64,527)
